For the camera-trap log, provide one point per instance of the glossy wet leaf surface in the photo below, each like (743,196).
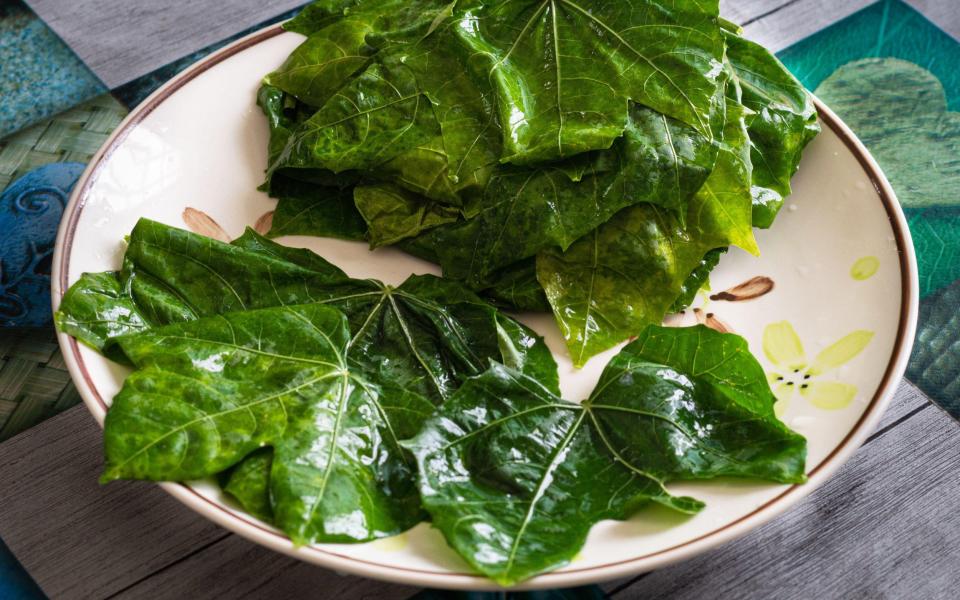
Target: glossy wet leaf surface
(514,477)
(207,393)
(628,273)
(782,123)
(428,333)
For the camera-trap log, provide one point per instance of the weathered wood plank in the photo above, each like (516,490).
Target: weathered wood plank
(121,40)
(236,568)
(907,399)
(75,537)
(886,526)
(79,539)
(945,13)
(782,23)
(744,11)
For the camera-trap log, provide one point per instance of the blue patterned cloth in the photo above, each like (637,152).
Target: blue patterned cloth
(30,211)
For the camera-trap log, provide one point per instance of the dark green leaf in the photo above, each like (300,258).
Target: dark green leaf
(249,483)
(516,288)
(322,64)
(426,335)
(627,273)
(564,71)
(377,116)
(457,166)
(98,308)
(502,467)
(311,209)
(515,477)
(319,14)
(658,161)
(207,393)
(783,122)
(394,214)
(710,414)
(696,280)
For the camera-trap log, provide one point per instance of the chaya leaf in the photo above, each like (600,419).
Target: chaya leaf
(659,161)
(97,308)
(455,167)
(426,335)
(696,280)
(311,209)
(394,214)
(516,288)
(627,273)
(782,122)
(564,71)
(249,483)
(377,116)
(515,477)
(324,62)
(207,393)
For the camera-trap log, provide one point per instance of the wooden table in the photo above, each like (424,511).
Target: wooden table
(886,526)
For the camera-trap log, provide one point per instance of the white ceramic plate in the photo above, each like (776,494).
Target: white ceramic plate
(840,257)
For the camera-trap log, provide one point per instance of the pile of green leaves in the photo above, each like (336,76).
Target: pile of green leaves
(585,157)
(345,410)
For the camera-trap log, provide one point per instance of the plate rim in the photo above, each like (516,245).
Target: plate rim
(241,523)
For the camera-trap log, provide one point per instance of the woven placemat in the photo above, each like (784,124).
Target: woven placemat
(34,383)
(72,136)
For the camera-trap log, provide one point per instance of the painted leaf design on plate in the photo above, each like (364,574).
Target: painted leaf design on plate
(514,477)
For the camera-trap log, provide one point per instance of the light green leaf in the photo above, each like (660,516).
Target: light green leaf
(840,352)
(782,346)
(829,395)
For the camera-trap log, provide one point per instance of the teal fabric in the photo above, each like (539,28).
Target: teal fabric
(41,75)
(888,28)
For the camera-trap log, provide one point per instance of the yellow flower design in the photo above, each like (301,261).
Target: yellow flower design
(793,373)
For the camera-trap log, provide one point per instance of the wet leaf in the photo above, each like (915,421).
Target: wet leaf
(206,393)
(782,122)
(515,477)
(627,273)
(427,334)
